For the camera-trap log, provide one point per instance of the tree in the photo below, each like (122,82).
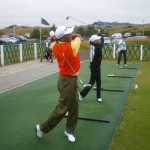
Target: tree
(80,30)
(1,33)
(35,33)
(44,33)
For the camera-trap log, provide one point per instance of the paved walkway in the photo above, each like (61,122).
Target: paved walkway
(19,74)
(16,75)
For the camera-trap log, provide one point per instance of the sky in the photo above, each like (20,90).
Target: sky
(30,12)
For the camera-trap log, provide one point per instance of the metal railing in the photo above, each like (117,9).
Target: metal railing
(134,52)
(11,54)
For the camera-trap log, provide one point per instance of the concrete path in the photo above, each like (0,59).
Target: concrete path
(12,76)
(16,75)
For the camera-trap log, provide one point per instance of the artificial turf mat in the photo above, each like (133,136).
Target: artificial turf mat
(25,106)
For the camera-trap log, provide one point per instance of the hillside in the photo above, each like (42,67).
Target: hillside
(108,28)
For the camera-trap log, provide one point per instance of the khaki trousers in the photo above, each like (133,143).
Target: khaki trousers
(68,101)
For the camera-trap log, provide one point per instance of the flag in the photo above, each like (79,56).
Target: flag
(43,21)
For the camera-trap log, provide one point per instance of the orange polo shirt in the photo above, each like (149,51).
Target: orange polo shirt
(67,56)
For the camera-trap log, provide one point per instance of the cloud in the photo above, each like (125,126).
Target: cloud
(88,11)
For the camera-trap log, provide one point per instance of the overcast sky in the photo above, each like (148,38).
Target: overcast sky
(29,12)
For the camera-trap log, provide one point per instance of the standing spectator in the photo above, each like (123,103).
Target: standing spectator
(121,50)
(95,67)
(66,49)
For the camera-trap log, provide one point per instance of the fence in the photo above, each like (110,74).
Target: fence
(134,52)
(10,54)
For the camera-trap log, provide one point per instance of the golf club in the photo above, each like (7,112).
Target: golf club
(112,75)
(92,119)
(69,17)
(126,68)
(93,25)
(102,89)
(72,68)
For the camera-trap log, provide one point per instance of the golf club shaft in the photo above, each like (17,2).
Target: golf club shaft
(76,20)
(93,119)
(72,68)
(102,89)
(120,76)
(80,80)
(112,90)
(127,68)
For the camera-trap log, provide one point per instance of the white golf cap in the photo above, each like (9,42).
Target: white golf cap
(94,38)
(63,30)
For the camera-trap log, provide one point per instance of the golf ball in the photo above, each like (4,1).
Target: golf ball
(135,86)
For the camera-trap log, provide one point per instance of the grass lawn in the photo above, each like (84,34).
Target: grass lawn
(133,130)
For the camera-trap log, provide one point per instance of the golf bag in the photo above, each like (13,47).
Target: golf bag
(47,55)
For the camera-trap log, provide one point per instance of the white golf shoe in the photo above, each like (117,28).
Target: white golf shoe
(38,131)
(79,96)
(89,85)
(70,137)
(99,99)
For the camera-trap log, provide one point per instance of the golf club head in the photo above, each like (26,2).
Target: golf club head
(67,18)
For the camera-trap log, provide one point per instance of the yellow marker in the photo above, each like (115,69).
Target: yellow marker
(66,113)
(109,75)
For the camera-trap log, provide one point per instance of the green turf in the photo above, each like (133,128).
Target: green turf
(132,131)
(23,107)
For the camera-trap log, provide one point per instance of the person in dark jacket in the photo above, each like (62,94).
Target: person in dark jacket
(95,67)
